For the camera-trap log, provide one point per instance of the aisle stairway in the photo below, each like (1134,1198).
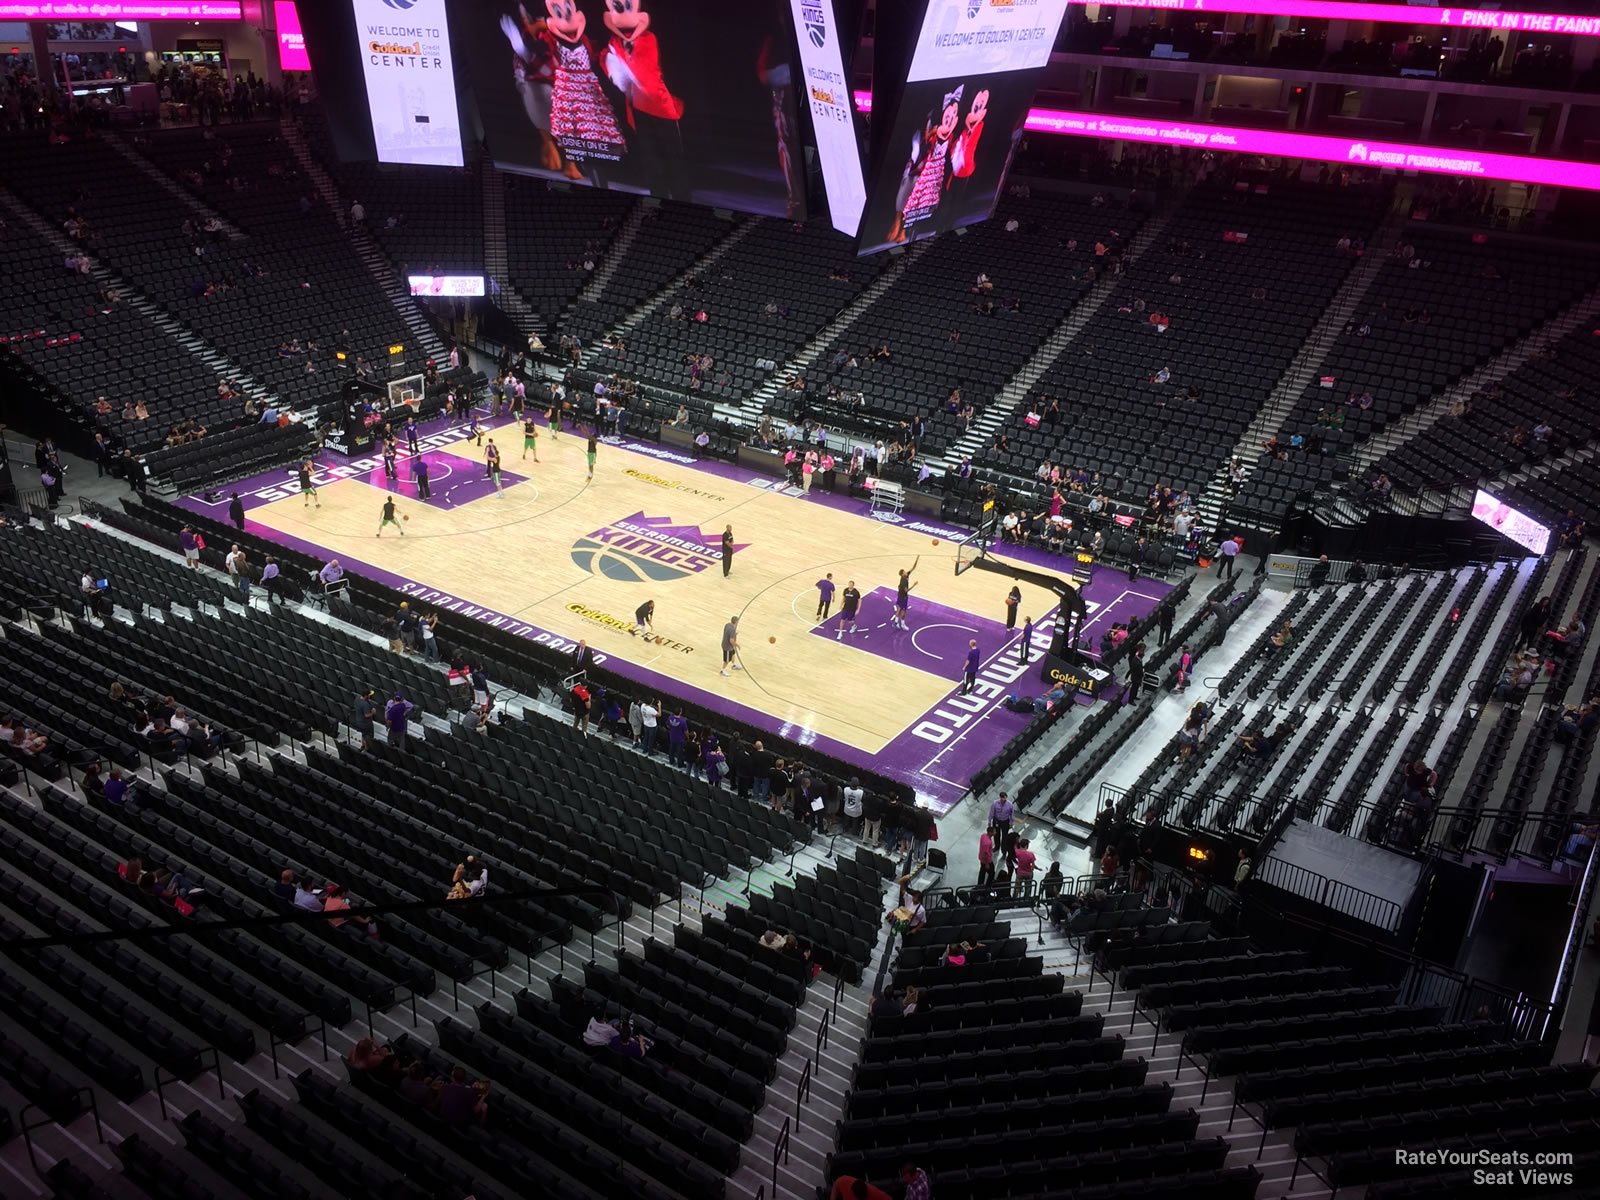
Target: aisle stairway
(496,260)
(998,410)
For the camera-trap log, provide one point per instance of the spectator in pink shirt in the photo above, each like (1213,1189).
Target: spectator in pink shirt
(1025,864)
(986,858)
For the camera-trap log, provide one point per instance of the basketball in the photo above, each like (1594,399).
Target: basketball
(935,541)
(405,516)
(772,641)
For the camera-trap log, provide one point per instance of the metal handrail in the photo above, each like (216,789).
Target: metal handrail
(780,1147)
(1566,971)
(1364,906)
(802,1093)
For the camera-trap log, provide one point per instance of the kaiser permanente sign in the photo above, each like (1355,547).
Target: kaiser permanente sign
(1400,14)
(1318,147)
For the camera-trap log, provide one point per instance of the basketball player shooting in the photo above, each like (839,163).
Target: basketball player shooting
(902,596)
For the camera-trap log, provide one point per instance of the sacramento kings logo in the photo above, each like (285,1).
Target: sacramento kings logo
(402,5)
(816,22)
(974,7)
(640,549)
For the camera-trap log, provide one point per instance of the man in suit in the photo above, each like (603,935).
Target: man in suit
(582,657)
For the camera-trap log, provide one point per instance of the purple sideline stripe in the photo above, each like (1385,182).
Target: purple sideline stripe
(937,755)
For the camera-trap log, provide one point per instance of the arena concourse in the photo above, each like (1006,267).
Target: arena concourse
(514,686)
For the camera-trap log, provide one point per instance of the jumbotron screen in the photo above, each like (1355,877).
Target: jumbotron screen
(689,100)
(956,122)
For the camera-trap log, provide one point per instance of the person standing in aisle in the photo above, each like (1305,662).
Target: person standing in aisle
(398,716)
(1001,813)
(727,550)
(824,596)
(969,677)
(1135,676)
(849,610)
(1226,553)
(1013,602)
(1164,624)
(240,570)
(730,645)
(986,857)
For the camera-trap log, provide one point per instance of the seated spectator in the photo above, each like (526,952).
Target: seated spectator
(1577,722)
(1262,744)
(1517,679)
(415,1087)
(306,897)
(133,872)
(1281,640)
(617,1036)
(368,1055)
(461,1103)
(1567,640)
(471,879)
(286,887)
(886,1004)
(115,788)
(1417,783)
(1581,841)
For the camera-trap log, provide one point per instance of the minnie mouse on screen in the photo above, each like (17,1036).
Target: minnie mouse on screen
(557,78)
(632,62)
(939,153)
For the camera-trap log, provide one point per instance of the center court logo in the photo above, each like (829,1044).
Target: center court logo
(638,549)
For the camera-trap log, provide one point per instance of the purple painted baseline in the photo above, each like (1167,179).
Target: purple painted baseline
(937,755)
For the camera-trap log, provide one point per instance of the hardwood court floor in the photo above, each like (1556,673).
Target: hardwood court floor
(518,554)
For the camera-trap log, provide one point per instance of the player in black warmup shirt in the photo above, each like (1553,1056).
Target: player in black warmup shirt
(849,609)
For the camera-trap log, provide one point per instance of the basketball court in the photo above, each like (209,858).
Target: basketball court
(557,558)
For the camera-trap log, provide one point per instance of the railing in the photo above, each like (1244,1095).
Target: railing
(1499,833)
(1569,951)
(780,1148)
(1491,833)
(1341,897)
(802,1092)
(1417,980)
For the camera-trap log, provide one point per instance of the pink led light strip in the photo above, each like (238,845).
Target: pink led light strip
(1399,14)
(109,10)
(1318,147)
